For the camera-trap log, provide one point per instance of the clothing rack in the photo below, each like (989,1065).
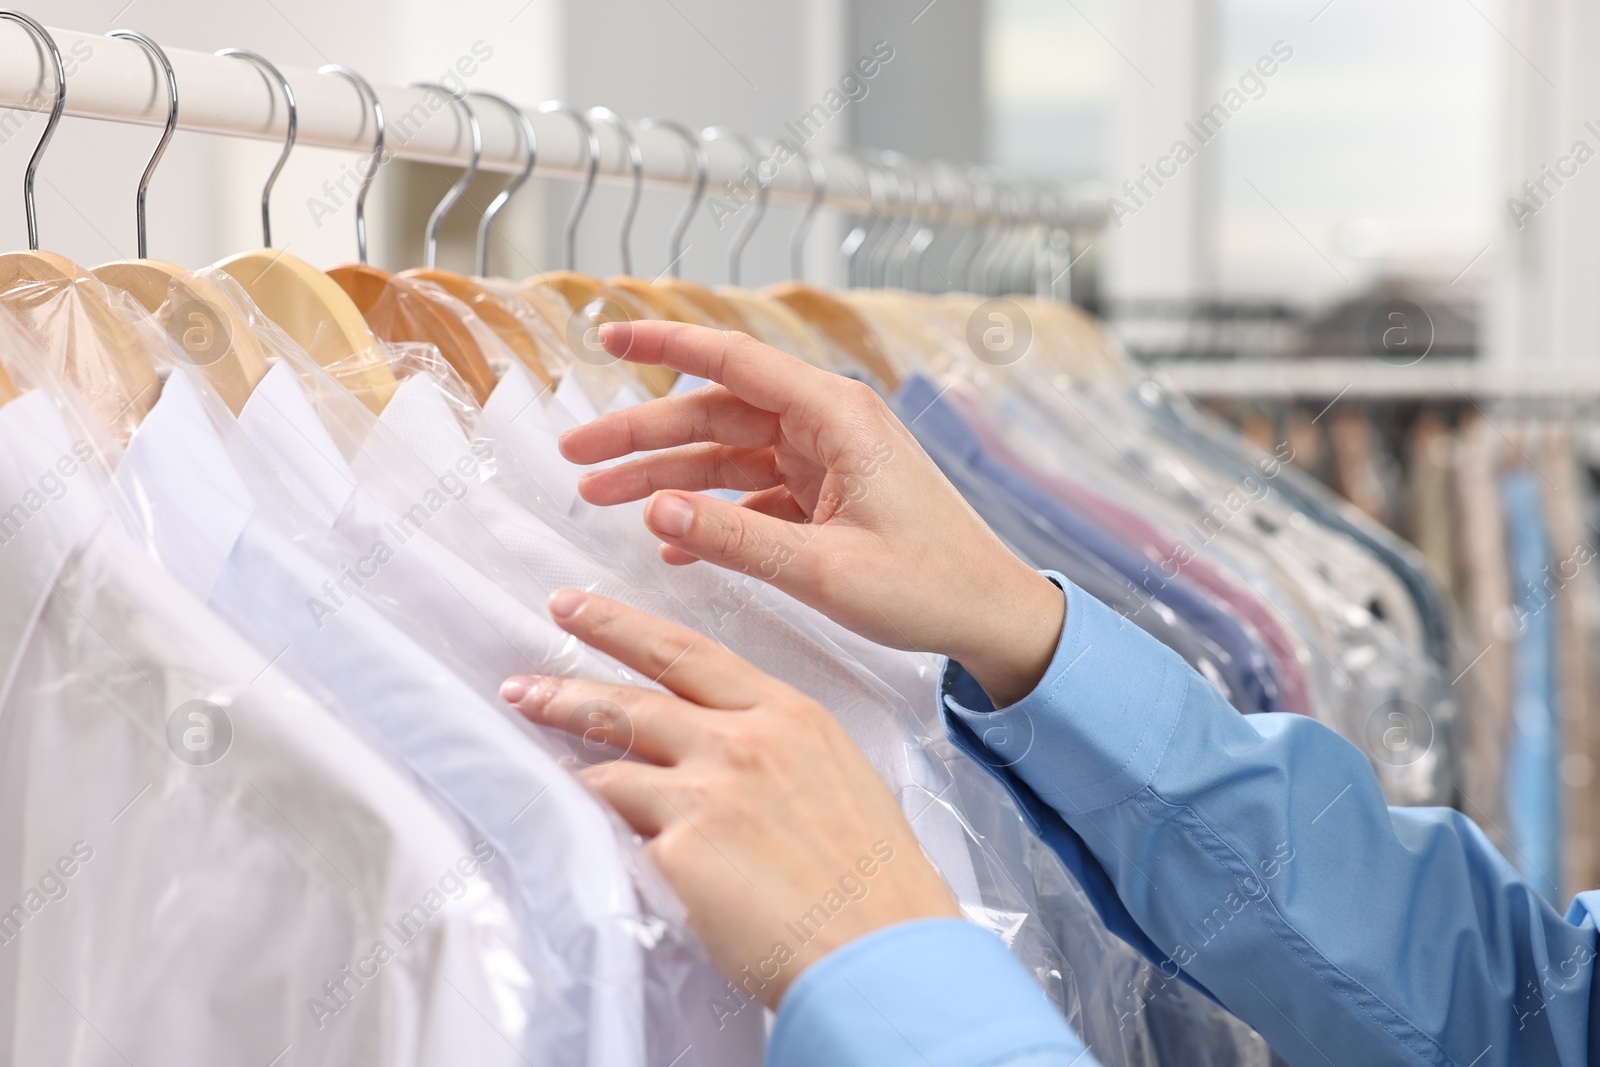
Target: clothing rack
(1371,378)
(116,80)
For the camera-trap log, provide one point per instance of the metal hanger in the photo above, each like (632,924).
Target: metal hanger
(802,229)
(53,52)
(860,234)
(592,170)
(938,219)
(977,230)
(530,144)
(430,250)
(369,96)
(166,134)
(740,239)
(878,263)
(635,161)
(293,109)
(997,227)
(702,171)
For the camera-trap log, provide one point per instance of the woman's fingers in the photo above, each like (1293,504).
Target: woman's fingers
(718,531)
(690,664)
(756,373)
(691,468)
(777,502)
(637,791)
(709,414)
(641,722)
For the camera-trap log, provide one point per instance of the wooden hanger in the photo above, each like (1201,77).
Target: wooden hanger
(8,392)
(776,324)
(305,303)
(195,315)
(200,321)
(840,324)
(86,337)
(70,314)
(401,309)
(492,308)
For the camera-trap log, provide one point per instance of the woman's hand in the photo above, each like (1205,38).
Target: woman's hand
(843,510)
(775,831)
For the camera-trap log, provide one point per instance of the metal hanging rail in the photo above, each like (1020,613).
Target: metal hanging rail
(115,80)
(1374,379)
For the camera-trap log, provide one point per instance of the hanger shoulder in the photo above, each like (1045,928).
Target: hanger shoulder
(839,323)
(311,308)
(491,308)
(400,309)
(86,337)
(710,304)
(198,319)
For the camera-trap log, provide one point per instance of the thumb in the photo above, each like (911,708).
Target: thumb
(734,537)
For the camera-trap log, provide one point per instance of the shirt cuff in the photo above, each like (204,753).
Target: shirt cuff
(926,993)
(1094,730)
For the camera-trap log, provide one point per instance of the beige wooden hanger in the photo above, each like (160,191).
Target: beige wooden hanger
(65,309)
(304,302)
(196,315)
(493,307)
(840,324)
(399,308)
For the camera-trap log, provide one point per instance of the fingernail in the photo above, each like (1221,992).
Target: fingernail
(513,690)
(566,603)
(670,516)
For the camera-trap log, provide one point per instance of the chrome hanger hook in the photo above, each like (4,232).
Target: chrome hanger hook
(702,172)
(530,144)
(802,229)
(861,233)
(166,134)
(266,67)
(430,251)
(53,52)
(369,96)
(591,171)
(736,246)
(635,161)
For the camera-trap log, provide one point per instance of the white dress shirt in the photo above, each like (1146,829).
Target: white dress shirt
(166,910)
(561,871)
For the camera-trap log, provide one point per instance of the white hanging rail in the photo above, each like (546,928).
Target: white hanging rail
(1367,378)
(115,80)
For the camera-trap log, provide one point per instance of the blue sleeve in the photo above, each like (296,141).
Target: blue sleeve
(1257,859)
(929,993)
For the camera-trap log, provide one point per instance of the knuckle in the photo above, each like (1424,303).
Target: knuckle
(741,748)
(732,539)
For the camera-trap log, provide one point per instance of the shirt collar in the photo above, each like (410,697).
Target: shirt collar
(280,419)
(188,493)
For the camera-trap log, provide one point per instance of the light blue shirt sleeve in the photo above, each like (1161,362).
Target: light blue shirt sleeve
(928,993)
(1258,860)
